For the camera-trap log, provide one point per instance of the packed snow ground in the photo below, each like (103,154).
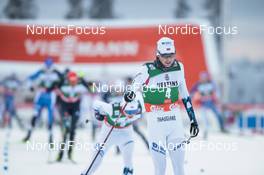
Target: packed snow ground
(220,155)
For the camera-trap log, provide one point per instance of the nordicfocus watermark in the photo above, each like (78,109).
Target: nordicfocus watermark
(121,88)
(57,146)
(64,30)
(159,146)
(195,146)
(189,29)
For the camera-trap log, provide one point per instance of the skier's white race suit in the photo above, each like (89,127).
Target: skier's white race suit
(122,134)
(161,91)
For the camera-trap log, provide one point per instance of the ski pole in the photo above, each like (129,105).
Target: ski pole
(106,138)
(184,142)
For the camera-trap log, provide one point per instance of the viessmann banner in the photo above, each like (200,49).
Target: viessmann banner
(110,44)
(102,44)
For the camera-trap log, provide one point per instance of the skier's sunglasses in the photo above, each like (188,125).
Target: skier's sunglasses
(167,55)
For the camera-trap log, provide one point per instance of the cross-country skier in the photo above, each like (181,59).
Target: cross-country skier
(122,134)
(10,85)
(163,84)
(70,93)
(46,80)
(207,94)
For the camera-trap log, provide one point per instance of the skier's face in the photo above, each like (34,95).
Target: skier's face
(73,81)
(167,60)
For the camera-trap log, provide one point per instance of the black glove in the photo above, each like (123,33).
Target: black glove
(194,130)
(98,116)
(129,96)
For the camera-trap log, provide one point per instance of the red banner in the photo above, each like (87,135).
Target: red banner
(117,44)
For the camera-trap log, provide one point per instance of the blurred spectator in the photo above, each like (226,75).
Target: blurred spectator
(246,80)
(20,9)
(76,9)
(11,85)
(101,9)
(182,9)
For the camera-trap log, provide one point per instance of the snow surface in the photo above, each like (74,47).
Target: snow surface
(241,155)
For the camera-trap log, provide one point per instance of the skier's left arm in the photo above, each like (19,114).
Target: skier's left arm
(186,99)
(101,109)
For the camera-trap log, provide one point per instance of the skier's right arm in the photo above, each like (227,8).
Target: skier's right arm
(32,78)
(35,75)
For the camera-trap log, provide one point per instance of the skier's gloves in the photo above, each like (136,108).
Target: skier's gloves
(129,96)
(98,116)
(194,130)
